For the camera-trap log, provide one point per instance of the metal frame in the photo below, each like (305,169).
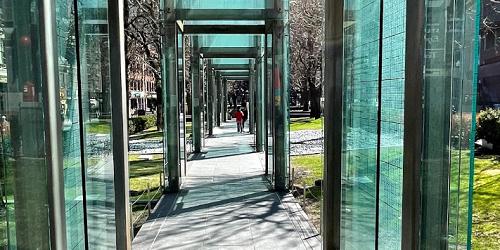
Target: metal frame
(53,126)
(259,96)
(229,52)
(197,97)
(218,14)
(413,118)
(224,99)
(265,98)
(251,101)
(119,120)
(171,107)
(280,91)
(237,78)
(210,97)
(332,186)
(224,29)
(83,158)
(379,119)
(227,67)
(218,98)
(235,73)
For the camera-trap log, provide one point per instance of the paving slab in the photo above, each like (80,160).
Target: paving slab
(226,203)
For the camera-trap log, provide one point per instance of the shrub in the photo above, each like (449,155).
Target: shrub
(488,127)
(461,125)
(141,123)
(131,127)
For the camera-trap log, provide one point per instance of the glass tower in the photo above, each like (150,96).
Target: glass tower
(399,156)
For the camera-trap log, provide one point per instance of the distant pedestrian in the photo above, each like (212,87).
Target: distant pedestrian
(245,118)
(239,119)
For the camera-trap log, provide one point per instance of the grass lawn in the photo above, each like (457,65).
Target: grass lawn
(150,133)
(308,167)
(486,211)
(144,173)
(297,124)
(99,127)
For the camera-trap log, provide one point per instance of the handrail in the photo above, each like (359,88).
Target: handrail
(148,205)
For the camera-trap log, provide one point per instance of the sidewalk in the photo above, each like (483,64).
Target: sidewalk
(225,203)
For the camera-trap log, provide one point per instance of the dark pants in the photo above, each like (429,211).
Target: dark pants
(240,126)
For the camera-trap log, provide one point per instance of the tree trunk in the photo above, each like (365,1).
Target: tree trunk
(189,103)
(304,98)
(235,103)
(159,108)
(315,93)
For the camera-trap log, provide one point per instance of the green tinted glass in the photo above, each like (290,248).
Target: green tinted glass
(96,107)
(361,73)
(24,213)
(68,83)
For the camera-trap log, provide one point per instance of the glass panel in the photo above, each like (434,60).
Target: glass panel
(224,4)
(182,102)
(392,127)
(449,100)
(188,95)
(23,166)
(205,99)
(261,96)
(451,68)
(269,106)
(361,72)
(96,101)
(68,81)
(223,40)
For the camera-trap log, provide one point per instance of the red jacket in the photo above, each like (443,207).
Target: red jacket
(239,116)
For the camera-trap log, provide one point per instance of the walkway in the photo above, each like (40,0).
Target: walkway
(225,203)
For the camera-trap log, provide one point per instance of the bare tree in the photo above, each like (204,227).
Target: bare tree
(306,52)
(490,25)
(142,31)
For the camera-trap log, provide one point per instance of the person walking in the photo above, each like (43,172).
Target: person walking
(239,119)
(245,118)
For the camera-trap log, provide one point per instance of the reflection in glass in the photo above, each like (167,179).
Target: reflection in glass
(68,83)
(451,67)
(361,50)
(373,96)
(182,101)
(95,86)
(269,107)
(24,222)
(391,124)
